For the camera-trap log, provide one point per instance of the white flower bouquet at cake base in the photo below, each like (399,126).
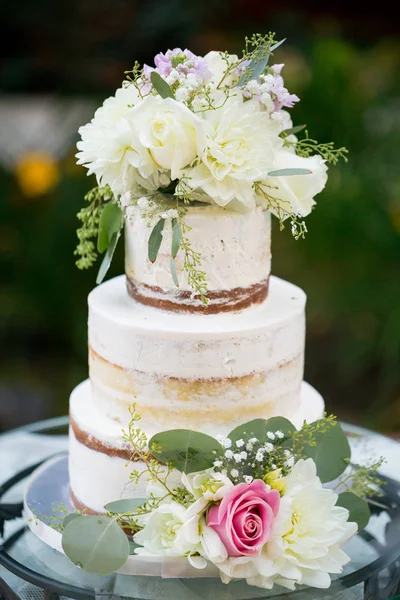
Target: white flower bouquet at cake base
(213,130)
(255,504)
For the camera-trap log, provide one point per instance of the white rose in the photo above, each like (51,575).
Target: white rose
(294,194)
(110,149)
(218,66)
(170,132)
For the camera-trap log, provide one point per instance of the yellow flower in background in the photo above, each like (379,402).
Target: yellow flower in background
(275,480)
(37,173)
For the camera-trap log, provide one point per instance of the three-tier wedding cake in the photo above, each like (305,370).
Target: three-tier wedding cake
(185,364)
(195,434)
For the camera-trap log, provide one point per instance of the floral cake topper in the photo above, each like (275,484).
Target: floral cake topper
(212,129)
(267,503)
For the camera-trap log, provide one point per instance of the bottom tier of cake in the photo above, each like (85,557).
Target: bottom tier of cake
(99,465)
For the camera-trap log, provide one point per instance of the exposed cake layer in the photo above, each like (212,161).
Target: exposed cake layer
(206,373)
(99,459)
(235,252)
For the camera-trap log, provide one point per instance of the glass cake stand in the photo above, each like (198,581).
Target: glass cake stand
(31,569)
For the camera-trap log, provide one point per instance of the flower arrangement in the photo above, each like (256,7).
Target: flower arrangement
(191,129)
(259,504)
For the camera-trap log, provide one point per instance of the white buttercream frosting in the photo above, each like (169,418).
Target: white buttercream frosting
(196,371)
(235,250)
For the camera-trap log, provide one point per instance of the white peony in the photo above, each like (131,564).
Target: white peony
(169,132)
(306,539)
(218,67)
(110,148)
(240,149)
(294,194)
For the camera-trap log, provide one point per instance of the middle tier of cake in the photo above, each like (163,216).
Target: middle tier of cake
(193,371)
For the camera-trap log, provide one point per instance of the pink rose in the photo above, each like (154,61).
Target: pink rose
(244,518)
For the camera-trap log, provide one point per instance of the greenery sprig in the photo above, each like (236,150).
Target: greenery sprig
(307,146)
(87,234)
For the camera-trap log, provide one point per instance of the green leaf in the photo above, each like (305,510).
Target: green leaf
(357,507)
(176,237)
(105,265)
(258,64)
(173,271)
(292,130)
(155,240)
(96,544)
(124,506)
(259,428)
(331,453)
(110,223)
(275,46)
(285,172)
(161,86)
(70,518)
(186,450)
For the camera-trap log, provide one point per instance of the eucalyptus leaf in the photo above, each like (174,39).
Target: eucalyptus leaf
(70,518)
(155,240)
(259,428)
(358,508)
(258,64)
(285,172)
(186,450)
(275,46)
(110,223)
(173,271)
(96,544)
(161,86)
(331,453)
(105,265)
(124,506)
(176,237)
(292,130)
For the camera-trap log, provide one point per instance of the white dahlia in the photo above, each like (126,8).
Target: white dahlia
(306,540)
(240,149)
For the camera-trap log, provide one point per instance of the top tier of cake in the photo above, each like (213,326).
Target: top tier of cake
(235,251)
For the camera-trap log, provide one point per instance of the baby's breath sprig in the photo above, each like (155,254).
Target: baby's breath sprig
(250,458)
(90,218)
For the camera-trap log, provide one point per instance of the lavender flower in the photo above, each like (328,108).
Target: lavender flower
(280,94)
(183,61)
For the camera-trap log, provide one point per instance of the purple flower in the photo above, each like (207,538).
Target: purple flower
(279,93)
(183,61)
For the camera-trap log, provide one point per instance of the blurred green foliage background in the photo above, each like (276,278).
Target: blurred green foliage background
(345,69)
